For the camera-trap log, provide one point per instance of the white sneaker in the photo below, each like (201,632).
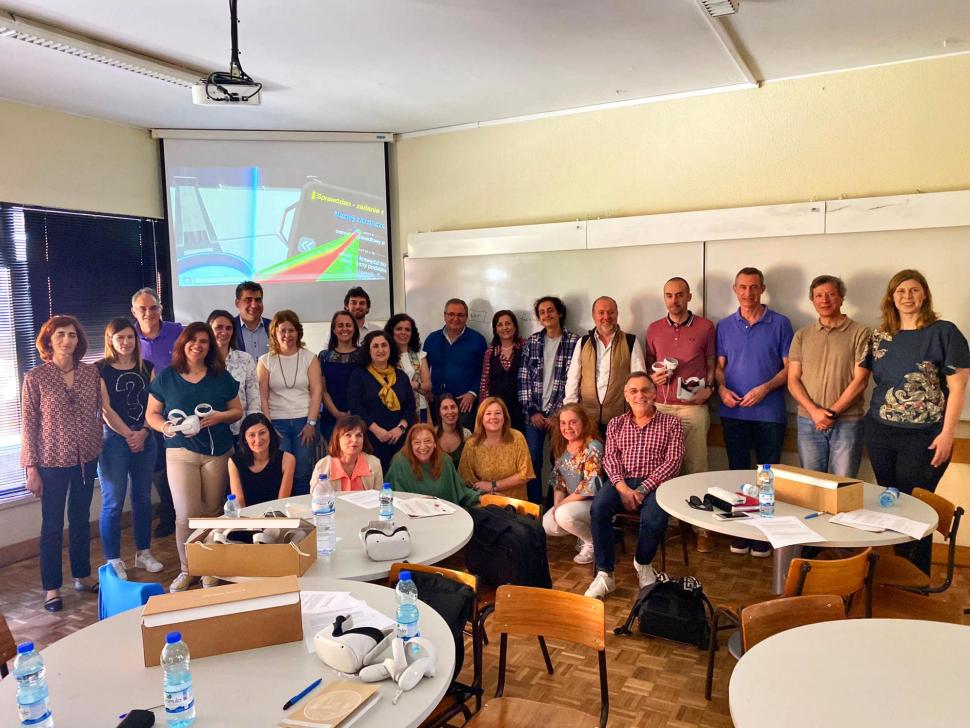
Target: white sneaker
(210,581)
(181,582)
(645,574)
(146,561)
(602,585)
(119,566)
(585,555)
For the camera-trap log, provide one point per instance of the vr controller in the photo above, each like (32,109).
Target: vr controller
(188,425)
(409,662)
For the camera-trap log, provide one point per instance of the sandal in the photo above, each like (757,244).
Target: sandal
(54,604)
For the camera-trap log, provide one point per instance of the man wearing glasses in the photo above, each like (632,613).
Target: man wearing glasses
(157,339)
(252,330)
(455,355)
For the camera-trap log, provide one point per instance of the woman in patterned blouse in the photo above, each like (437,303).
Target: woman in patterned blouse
(60,443)
(575,478)
(500,367)
(240,365)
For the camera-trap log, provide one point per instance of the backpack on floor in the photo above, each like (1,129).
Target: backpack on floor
(675,609)
(507,548)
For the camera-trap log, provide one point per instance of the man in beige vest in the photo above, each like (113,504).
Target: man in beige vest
(601,362)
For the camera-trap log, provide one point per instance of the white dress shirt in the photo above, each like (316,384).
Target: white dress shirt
(603,354)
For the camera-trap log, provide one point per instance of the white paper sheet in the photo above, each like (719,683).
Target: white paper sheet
(887,520)
(424,507)
(840,520)
(786,531)
(363,498)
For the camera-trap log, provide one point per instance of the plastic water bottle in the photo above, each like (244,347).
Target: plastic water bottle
(750,489)
(324,515)
(385,511)
(766,492)
(406,595)
(231,509)
(889,497)
(28,670)
(177,682)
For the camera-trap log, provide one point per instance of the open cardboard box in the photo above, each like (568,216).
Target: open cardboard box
(242,559)
(225,618)
(818,491)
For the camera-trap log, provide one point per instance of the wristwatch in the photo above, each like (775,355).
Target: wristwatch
(312,423)
(494,487)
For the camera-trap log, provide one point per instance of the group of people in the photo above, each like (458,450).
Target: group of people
(238,402)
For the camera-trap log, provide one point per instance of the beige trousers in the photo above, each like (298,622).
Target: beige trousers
(199,483)
(696,419)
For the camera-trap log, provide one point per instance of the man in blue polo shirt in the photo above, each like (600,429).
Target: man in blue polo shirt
(455,355)
(752,371)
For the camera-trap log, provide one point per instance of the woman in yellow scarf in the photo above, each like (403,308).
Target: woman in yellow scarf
(381,395)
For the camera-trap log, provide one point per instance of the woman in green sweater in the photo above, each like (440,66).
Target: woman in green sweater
(422,467)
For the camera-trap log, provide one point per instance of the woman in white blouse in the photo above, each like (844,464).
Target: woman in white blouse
(404,333)
(290,389)
(240,365)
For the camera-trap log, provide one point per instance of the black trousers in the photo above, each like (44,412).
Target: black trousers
(74,487)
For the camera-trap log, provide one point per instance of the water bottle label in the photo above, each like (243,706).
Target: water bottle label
(178,701)
(33,712)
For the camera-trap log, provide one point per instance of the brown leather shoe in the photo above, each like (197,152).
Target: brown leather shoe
(705,541)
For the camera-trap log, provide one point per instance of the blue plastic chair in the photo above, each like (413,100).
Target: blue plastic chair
(117,595)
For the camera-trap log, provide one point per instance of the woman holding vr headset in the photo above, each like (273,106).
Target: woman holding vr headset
(192,403)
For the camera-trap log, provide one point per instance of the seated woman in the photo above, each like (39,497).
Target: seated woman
(451,435)
(496,458)
(350,466)
(260,470)
(576,476)
(381,395)
(421,467)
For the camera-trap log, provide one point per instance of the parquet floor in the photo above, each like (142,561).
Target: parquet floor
(652,682)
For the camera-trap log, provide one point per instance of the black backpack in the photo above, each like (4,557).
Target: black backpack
(675,609)
(507,548)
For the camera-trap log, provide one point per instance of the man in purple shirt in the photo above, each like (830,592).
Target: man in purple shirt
(156,339)
(644,448)
(752,371)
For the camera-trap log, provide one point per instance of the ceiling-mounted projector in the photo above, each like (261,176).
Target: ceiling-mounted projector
(232,88)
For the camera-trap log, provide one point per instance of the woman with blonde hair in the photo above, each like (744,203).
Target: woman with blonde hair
(422,467)
(496,457)
(576,477)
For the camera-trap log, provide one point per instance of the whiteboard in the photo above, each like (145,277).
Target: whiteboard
(634,276)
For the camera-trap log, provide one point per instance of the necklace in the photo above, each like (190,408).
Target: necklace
(65,371)
(295,370)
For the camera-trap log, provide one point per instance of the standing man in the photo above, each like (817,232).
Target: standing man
(752,371)
(542,380)
(357,304)
(827,381)
(455,355)
(644,448)
(601,362)
(252,330)
(157,339)
(684,390)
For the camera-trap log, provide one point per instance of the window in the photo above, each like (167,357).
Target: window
(60,262)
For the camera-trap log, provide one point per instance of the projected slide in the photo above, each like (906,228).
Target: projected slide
(229,226)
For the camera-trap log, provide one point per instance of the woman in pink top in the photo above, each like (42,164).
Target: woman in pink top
(350,466)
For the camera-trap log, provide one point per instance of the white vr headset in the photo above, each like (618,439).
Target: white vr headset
(347,649)
(188,425)
(383,541)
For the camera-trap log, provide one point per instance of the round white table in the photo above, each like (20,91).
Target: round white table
(432,539)
(672,497)
(98,673)
(855,672)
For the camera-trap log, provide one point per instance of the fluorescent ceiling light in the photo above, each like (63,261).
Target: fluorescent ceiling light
(64,41)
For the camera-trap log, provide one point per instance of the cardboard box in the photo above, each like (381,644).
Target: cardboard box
(817,491)
(225,618)
(241,559)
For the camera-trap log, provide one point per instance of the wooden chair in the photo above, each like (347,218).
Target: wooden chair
(526,611)
(764,619)
(452,703)
(845,578)
(522,507)
(889,602)
(899,572)
(8,648)
(623,518)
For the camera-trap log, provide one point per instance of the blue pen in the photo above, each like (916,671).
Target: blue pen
(302,694)
(814,515)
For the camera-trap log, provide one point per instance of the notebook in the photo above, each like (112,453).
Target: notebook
(336,704)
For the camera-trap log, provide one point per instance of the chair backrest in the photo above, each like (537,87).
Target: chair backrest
(764,619)
(844,577)
(531,612)
(8,648)
(945,511)
(462,577)
(522,507)
(118,595)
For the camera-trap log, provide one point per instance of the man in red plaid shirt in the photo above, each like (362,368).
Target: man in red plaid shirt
(644,448)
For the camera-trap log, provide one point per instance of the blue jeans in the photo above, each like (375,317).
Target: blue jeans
(536,440)
(116,464)
(743,436)
(289,431)
(837,450)
(653,525)
(75,487)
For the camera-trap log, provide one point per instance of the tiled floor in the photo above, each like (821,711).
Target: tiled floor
(652,682)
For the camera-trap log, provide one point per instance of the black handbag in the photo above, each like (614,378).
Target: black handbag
(675,609)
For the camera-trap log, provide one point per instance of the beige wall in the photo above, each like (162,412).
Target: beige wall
(59,160)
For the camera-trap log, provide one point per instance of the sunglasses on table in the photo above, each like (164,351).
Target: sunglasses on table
(698,505)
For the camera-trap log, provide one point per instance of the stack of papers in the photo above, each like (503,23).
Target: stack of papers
(363,498)
(877,522)
(321,608)
(424,507)
(786,531)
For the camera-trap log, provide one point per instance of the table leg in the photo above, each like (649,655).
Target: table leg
(781,558)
